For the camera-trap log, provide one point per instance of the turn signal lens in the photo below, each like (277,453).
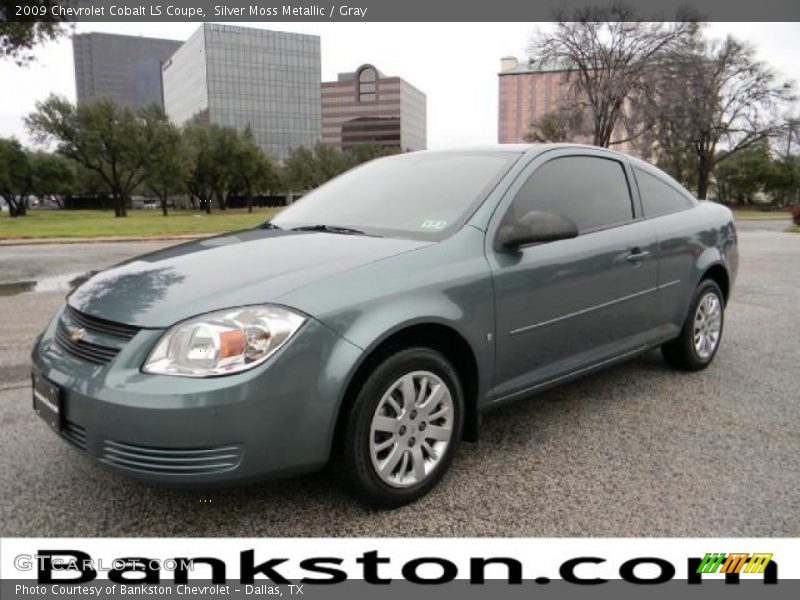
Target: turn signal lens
(231,343)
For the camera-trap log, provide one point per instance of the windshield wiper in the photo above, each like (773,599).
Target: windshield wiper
(329,229)
(268,225)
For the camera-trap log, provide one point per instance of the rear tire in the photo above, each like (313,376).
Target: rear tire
(701,334)
(403,429)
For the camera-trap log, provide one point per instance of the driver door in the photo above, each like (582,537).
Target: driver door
(567,305)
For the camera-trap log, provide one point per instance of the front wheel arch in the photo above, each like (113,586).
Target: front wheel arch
(436,336)
(387,458)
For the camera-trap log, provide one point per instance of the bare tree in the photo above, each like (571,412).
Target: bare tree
(606,54)
(713,101)
(790,137)
(560,125)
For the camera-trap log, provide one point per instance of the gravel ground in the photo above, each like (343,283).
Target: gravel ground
(638,450)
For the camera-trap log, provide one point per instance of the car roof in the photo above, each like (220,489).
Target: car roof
(535,149)
(531,149)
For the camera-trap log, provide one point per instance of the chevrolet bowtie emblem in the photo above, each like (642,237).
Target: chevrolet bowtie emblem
(76,334)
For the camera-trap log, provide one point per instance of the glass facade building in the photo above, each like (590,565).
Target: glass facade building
(121,67)
(239,77)
(367,107)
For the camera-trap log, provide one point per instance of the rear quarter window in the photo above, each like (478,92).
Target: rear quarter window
(659,197)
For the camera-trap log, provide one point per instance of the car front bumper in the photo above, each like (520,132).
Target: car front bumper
(276,419)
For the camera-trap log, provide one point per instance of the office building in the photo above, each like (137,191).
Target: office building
(241,77)
(121,67)
(368,107)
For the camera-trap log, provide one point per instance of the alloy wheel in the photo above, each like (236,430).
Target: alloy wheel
(707,325)
(411,428)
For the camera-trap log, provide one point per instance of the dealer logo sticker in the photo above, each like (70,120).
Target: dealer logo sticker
(732,565)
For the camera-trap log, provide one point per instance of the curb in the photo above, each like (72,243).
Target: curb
(101,240)
(763,219)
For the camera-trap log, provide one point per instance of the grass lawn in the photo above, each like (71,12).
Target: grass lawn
(138,223)
(746,213)
(147,223)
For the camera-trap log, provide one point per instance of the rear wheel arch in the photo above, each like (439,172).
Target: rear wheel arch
(696,346)
(719,275)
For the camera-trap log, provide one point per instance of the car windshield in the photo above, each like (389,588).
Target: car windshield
(424,195)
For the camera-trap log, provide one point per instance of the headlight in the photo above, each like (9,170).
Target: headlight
(224,342)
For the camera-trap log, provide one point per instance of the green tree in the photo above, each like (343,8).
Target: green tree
(328,163)
(366,152)
(16,180)
(299,169)
(19,37)
(89,184)
(306,169)
(104,137)
(167,172)
(212,152)
(740,176)
(197,143)
(53,176)
(253,171)
(784,180)
(224,147)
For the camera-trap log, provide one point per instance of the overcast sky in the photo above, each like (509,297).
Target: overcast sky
(455,64)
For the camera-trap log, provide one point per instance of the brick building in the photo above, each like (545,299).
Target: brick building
(368,107)
(528,92)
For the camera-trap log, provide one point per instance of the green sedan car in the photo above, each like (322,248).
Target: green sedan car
(371,323)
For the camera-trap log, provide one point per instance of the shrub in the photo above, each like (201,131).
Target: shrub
(796,214)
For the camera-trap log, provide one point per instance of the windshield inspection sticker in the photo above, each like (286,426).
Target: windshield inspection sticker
(433,224)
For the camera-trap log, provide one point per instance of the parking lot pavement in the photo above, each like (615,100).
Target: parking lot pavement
(638,450)
(35,262)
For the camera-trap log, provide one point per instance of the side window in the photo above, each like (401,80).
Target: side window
(591,191)
(658,197)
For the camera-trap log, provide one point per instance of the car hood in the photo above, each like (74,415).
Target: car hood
(246,267)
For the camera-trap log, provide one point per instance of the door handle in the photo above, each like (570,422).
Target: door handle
(637,255)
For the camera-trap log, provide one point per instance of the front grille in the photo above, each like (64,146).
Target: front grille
(75,434)
(172,461)
(109,337)
(98,325)
(94,353)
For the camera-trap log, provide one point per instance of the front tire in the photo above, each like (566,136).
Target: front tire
(701,334)
(404,428)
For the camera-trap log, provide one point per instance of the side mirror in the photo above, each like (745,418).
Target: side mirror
(535,227)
